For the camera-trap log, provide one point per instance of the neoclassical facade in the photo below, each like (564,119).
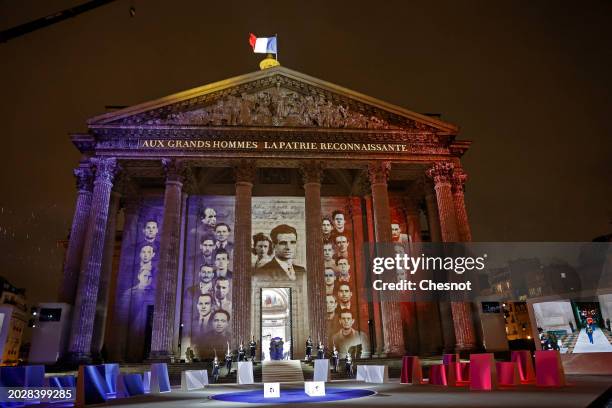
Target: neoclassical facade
(310,171)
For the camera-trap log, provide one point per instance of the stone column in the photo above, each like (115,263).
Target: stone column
(84,312)
(376,318)
(392,323)
(411,206)
(105,276)
(165,290)
(131,207)
(442,173)
(463,226)
(74,254)
(241,281)
(311,173)
(432,215)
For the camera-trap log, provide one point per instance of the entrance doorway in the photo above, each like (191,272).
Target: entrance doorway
(276,328)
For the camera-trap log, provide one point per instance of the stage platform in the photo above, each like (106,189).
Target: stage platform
(583,390)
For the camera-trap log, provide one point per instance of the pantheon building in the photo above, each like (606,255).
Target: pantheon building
(242,209)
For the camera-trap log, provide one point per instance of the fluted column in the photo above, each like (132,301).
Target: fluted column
(241,280)
(378,173)
(442,174)
(378,348)
(105,275)
(165,295)
(121,311)
(311,174)
(93,250)
(74,254)
(463,226)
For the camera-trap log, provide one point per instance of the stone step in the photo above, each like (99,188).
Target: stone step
(282,371)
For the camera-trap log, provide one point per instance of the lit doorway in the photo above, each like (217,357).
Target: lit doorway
(276,330)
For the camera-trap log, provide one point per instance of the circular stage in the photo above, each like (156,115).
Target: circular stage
(292,395)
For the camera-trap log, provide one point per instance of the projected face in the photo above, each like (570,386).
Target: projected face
(346,320)
(204,305)
(342,243)
(328,252)
(330,301)
(395,231)
(339,221)
(286,246)
(210,217)
(207,247)
(221,233)
(343,265)
(326,226)
(344,294)
(206,274)
(330,276)
(150,230)
(145,277)
(220,322)
(146,254)
(222,288)
(262,248)
(221,262)
(399,249)
(402,274)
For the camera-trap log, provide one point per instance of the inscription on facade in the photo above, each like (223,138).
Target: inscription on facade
(276,146)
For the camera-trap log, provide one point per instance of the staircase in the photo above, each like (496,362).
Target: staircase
(282,371)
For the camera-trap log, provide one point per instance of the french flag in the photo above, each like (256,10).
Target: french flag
(263,45)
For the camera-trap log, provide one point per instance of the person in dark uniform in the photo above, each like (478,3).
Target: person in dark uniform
(253,348)
(216,369)
(335,359)
(320,351)
(308,349)
(241,353)
(348,365)
(228,360)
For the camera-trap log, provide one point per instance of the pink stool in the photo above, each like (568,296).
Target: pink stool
(450,358)
(437,375)
(507,373)
(412,372)
(463,372)
(549,370)
(525,365)
(483,375)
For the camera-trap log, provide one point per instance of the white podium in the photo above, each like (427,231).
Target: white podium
(373,374)
(314,388)
(321,370)
(271,390)
(245,372)
(194,379)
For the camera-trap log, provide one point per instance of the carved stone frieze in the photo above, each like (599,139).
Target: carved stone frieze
(274,101)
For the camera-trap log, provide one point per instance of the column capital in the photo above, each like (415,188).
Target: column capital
(106,168)
(175,170)
(378,172)
(311,171)
(440,172)
(245,171)
(458,180)
(84,178)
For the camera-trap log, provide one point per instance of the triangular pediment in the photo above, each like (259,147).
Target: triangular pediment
(275,97)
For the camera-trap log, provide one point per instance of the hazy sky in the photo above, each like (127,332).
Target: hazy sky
(528,82)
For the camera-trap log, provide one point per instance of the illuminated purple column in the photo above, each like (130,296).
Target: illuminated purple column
(105,276)
(93,251)
(241,282)
(317,311)
(166,282)
(120,316)
(74,254)
(391,316)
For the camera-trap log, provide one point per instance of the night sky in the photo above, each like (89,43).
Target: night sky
(528,82)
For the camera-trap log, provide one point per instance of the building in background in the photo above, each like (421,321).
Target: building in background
(13,321)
